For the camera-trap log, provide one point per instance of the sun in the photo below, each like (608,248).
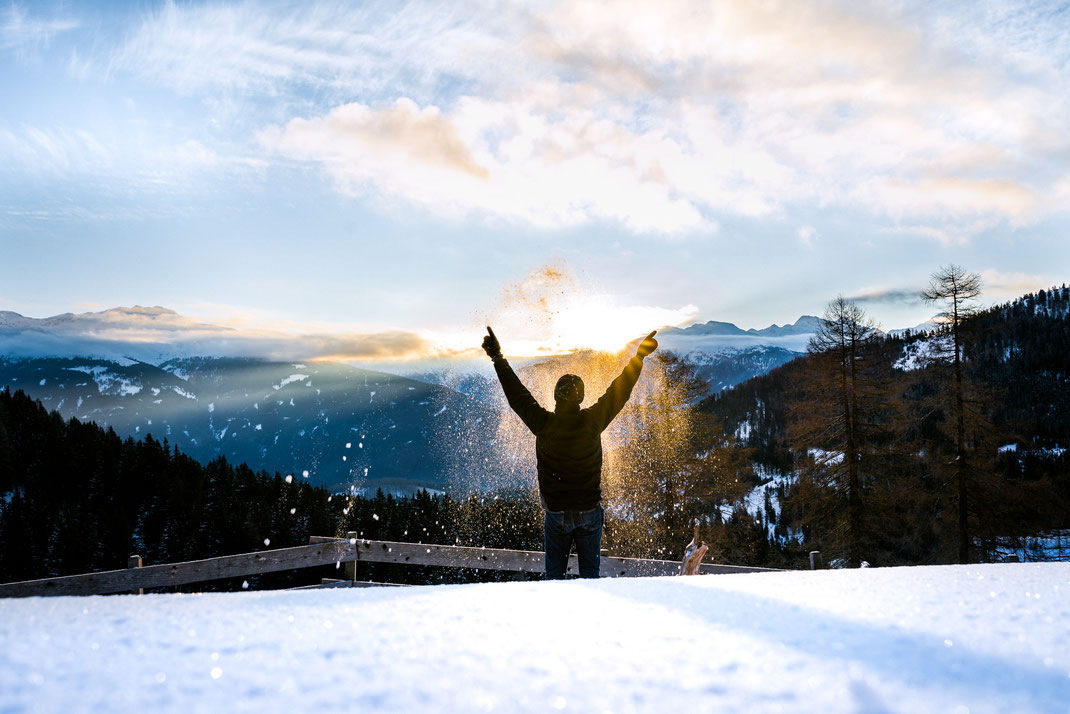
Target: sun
(595,322)
(580,321)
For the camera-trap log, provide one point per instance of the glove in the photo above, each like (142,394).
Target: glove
(491,346)
(648,345)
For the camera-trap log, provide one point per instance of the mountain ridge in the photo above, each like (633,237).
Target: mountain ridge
(341,425)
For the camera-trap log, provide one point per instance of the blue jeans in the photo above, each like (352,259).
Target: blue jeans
(562,529)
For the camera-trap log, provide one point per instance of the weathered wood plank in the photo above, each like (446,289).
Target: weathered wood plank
(171,574)
(327,583)
(449,555)
(525,561)
(325,551)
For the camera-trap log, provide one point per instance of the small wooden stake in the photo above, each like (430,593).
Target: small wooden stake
(351,565)
(134,561)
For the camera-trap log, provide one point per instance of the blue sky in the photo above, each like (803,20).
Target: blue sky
(363,168)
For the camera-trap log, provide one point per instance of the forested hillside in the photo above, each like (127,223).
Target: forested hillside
(871,448)
(75,497)
(928,433)
(340,423)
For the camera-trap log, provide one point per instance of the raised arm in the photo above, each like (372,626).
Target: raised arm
(609,404)
(518,396)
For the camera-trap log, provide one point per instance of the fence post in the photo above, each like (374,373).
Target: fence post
(351,565)
(134,561)
(815,560)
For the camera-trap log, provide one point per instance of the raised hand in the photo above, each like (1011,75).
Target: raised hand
(648,345)
(490,344)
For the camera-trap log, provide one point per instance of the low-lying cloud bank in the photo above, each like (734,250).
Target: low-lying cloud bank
(153,334)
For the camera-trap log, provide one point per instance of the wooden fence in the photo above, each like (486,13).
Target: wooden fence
(332,551)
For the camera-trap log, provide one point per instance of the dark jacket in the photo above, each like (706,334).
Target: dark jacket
(568,440)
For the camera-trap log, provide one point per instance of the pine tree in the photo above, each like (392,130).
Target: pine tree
(955,290)
(839,419)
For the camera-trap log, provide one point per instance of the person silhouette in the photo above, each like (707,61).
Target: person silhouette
(568,455)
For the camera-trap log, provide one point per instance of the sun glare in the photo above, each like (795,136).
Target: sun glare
(597,323)
(550,312)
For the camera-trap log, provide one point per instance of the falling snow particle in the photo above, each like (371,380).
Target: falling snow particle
(289,478)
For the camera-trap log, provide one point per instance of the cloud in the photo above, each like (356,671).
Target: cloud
(20,32)
(154,334)
(58,150)
(663,117)
(658,117)
(550,311)
(893,296)
(359,143)
(996,286)
(566,172)
(338,49)
(1000,285)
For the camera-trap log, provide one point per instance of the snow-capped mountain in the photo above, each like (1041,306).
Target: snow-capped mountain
(726,355)
(136,370)
(125,336)
(340,424)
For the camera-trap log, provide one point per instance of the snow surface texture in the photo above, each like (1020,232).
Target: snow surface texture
(990,638)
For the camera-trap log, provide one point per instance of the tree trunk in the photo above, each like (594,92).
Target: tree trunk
(960,446)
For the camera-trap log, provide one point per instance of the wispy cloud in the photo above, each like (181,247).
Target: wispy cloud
(1001,285)
(339,49)
(659,117)
(664,117)
(22,31)
(996,286)
(898,296)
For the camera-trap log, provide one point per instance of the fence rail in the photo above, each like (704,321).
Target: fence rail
(330,551)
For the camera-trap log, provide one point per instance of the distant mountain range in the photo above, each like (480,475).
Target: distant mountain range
(726,355)
(334,424)
(805,325)
(150,370)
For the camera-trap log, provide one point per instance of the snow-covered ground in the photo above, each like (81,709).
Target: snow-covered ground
(988,638)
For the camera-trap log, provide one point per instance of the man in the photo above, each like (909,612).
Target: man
(568,454)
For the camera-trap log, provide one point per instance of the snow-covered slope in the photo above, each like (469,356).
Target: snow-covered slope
(989,638)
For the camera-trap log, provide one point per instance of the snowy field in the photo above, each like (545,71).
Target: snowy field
(990,638)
